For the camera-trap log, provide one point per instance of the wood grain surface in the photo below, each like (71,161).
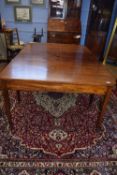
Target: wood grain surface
(54,64)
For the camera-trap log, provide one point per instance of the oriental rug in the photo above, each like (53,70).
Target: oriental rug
(55,134)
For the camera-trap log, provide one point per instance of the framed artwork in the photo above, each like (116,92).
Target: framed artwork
(38,2)
(23,14)
(12,1)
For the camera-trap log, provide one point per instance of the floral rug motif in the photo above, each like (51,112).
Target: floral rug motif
(55,103)
(56,123)
(54,134)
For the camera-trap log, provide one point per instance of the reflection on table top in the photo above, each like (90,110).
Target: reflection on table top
(57,63)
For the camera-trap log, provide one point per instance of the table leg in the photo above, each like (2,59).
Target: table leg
(116,84)
(103,107)
(18,96)
(91,98)
(7,107)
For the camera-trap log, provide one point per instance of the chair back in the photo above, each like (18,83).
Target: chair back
(12,42)
(15,36)
(37,37)
(12,37)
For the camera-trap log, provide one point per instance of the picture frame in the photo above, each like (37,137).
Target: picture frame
(12,1)
(38,2)
(23,14)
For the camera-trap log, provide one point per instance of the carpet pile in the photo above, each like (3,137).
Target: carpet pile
(55,134)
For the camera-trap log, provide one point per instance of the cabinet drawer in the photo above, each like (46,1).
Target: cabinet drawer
(63,37)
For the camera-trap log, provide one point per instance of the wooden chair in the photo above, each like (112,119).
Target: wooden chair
(13,44)
(37,37)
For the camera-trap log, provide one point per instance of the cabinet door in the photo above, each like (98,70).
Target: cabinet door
(98,25)
(64,8)
(57,8)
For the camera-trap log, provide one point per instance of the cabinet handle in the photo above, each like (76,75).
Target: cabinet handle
(77,36)
(53,35)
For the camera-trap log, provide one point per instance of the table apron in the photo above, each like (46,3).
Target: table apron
(53,87)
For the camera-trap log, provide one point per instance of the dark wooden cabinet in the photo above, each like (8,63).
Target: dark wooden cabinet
(64,31)
(98,25)
(64,26)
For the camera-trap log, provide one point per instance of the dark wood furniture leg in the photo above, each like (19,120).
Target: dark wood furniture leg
(103,107)
(91,98)
(18,96)
(116,84)
(7,107)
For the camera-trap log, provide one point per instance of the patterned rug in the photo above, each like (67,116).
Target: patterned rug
(55,134)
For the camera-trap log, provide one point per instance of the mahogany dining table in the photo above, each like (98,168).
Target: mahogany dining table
(57,68)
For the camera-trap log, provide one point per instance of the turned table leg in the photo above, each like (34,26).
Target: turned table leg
(103,107)
(7,106)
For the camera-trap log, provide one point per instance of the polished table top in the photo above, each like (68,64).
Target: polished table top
(58,68)
(57,63)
